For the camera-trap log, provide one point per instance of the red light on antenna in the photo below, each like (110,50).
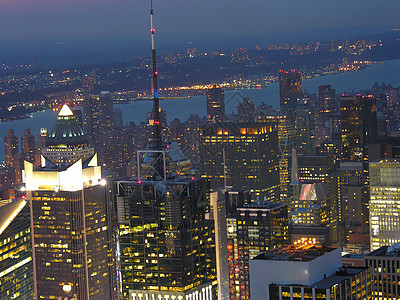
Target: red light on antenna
(156,73)
(152,30)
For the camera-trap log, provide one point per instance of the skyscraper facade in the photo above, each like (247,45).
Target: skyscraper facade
(215,105)
(383,207)
(12,157)
(326,100)
(16,268)
(98,114)
(260,227)
(166,246)
(359,126)
(290,89)
(28,146)
(243,155)
(70,219)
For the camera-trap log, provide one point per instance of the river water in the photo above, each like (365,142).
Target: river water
(388,72)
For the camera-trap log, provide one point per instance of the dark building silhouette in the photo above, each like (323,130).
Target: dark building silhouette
(215,105)
(290,89)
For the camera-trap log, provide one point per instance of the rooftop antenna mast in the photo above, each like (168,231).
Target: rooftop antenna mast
(157,138)
(154,157)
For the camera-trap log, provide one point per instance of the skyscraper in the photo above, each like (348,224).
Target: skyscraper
(260,227)
(326,100)
(16,268)
(286,141)
(70,218)
(359,126)
(384,212)
(246,111)
(215,105)
(12,157)
(166,245)
(242,155)
(98,114)
(290,89)
(67,143)
(28,146)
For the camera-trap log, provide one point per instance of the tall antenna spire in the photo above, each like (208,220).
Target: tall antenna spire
(157,138)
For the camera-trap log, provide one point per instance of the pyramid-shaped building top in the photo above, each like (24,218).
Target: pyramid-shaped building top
(66,130)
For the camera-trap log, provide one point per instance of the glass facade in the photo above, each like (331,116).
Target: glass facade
(243,155)
(384,204)
(166,245)
(16,267)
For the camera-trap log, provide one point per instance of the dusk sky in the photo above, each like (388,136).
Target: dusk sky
(209,21)
(72,18)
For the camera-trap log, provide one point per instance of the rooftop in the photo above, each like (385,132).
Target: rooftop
(387,251)
(301,252)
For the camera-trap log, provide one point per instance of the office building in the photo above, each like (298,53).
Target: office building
(166,246)
(384,208)
(314,205)
(384,263)
(305,271)
(305,128)
(359,127)
(28,146)
(218,214)
(285,124)
(353,197)
(16,268)
(241,155)
(260,227)
(215,105)
(290,89)
(70,215)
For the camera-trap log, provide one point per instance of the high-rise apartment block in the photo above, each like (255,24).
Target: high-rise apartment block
(241,155)
(215,105)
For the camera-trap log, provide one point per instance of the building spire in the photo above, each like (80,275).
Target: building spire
(157,138)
